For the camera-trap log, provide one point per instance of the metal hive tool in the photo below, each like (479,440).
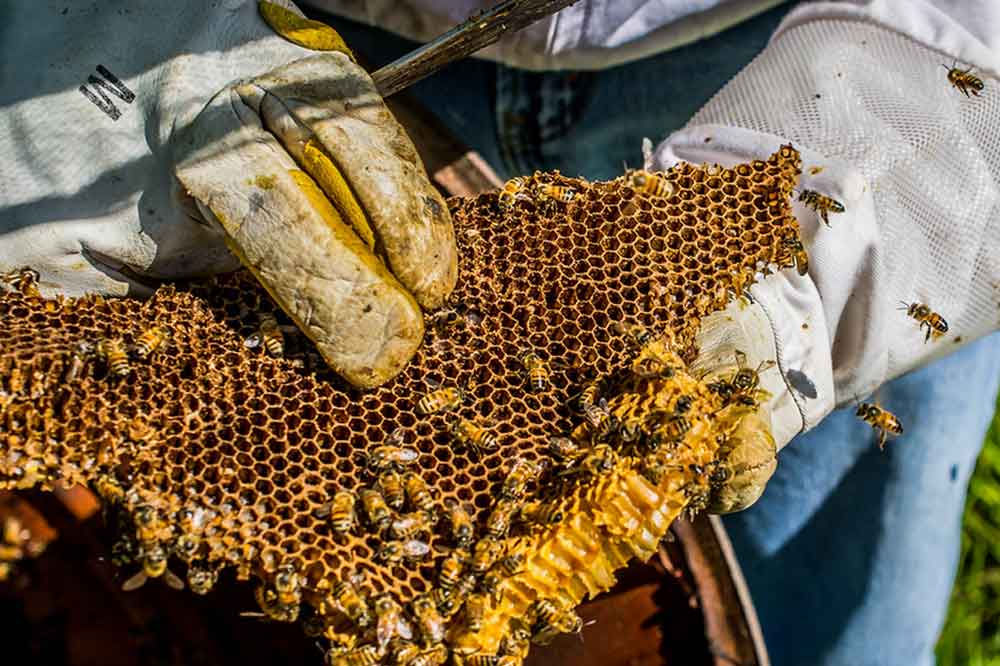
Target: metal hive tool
(222,457)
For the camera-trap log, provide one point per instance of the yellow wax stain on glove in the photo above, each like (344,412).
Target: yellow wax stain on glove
(318,164)
(299,30)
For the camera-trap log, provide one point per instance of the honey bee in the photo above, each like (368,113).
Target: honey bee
(652,184)
(149,341)
(792,253)
(391,485)
(541,513)
(201,580)
(435,655)
(600,419)
(650,365)
(378,512)
(510,565)
(550,621)
(498,522)
(564,448)
(343,514)
(112,352)
(77,360)
(475,611)
(271,337)
(394,552)
(746,379)
(880,419)
(460,521)
(599,460)
(452,568)
(512,192)
(484,554)
(683,404)
(351,603)
(516,643)
(964,80)
(550,194)
(668,428)
(821,203)
(493,660)
(288,585)
(935,323)
(520,475)
(366,655)
(471,435)
(441,399)
(589,396)
(149,525)
(410,525)
(429,621)
(187,546)
(419,494)
(154,565)
(390,622)
(391,455)
(639,335)
(536,369)
(109,489)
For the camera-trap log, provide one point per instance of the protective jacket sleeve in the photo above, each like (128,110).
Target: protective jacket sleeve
(862,89)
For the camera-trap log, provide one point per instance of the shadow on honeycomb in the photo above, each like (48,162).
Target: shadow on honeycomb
(215,454)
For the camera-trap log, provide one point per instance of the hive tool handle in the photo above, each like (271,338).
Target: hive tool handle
(477,32)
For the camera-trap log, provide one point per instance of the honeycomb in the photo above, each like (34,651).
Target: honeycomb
(221,458)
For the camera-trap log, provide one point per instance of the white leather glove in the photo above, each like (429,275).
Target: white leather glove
(296,165)
(859,89)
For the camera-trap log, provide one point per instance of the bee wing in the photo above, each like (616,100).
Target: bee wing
(252,341)
(396,437)
(135,582)
(172,581)
(741,359)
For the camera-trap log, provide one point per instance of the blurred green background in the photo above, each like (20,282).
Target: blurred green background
(971,635)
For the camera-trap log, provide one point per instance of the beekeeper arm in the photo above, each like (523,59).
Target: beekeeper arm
(862,89)
(148,141)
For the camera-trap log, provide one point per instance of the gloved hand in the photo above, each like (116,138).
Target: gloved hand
(296,165)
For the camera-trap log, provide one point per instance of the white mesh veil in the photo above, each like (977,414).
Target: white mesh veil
(916,162)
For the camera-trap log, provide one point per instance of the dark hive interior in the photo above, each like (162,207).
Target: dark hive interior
(232,456)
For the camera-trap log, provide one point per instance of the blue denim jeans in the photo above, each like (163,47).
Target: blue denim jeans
(851,552)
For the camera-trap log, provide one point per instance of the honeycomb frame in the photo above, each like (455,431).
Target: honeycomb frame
(233,455)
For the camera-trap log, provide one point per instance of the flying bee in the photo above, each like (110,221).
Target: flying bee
(376,510)
(390,622)
(471,435)
(410,525)
(964,80)
(638,334)
(441,399)
(77,360)
(391,485)
(154,565)
(391,454)
(112,352)
(452,568)
(484,554)
(880,419)
(351,603)
(343,514)
(512,192)
(498,522)
(288,585)
(394,552)
(792,253)
(271,337)
(564,448)
(541,513)
(821,203)
(460,521)
(429,621)
(366,655)
(551,194)
(653,184)
(537,370)
(201,580)
(475,611)
(935,323)
(149,341)
(419,494)
(520,475)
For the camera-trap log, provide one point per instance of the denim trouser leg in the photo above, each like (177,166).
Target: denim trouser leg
(851,552)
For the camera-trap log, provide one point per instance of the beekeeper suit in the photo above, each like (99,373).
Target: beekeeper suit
(97,98)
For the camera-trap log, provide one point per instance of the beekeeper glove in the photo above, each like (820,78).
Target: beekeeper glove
(125,172)
(860,90)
